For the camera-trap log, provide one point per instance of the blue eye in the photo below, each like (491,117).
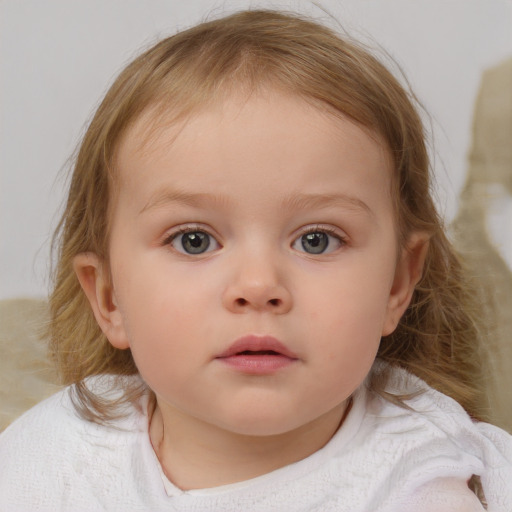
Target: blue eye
(193,242)
(317,242)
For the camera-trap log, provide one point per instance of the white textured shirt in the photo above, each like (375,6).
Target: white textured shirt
(384,458)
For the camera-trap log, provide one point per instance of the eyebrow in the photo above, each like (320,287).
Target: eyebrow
(310,201)
(193,199)
(293,202)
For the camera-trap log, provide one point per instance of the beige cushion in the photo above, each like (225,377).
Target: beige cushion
(490,169)
(26,376)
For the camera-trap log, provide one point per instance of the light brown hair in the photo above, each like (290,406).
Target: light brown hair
(437,338)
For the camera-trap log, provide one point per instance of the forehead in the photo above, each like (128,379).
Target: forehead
(159,125)
(246,134)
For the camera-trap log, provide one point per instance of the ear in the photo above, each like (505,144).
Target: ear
(95,282)
(408,273)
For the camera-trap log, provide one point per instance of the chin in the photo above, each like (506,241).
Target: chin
(260,425)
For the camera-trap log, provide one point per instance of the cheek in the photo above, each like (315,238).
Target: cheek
(350,343)
(156,316)
(354,299)
(346,322)
(166,308)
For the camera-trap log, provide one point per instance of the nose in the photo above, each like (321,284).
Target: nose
(257,284)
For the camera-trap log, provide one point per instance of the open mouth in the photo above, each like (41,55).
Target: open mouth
(257,355)
(253,345)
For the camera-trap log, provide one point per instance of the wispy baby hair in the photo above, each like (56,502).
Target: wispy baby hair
(437,339)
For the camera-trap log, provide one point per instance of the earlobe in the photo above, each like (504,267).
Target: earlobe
(408,273)
(94,280)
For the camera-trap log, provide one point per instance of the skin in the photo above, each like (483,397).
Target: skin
(255,174)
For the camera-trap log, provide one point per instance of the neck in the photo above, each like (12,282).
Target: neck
(198,455)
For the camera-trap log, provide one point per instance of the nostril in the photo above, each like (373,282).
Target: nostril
(243,302)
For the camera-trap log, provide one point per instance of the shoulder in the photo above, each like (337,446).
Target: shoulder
(428,410)
(431,440)
(56,419)
(51,448)
(44,422)
(421,406)
(417,408)
(32,448)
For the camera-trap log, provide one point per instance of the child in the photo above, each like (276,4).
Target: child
(253,291)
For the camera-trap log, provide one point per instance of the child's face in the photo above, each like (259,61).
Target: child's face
(264,222)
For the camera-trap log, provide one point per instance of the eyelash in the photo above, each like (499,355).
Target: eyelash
(327,230)
(195,250)
(182,230)
(323,229)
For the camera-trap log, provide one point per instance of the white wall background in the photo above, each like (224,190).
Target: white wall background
(57,58)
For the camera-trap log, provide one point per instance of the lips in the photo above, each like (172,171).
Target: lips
(254,344)
(257,355)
